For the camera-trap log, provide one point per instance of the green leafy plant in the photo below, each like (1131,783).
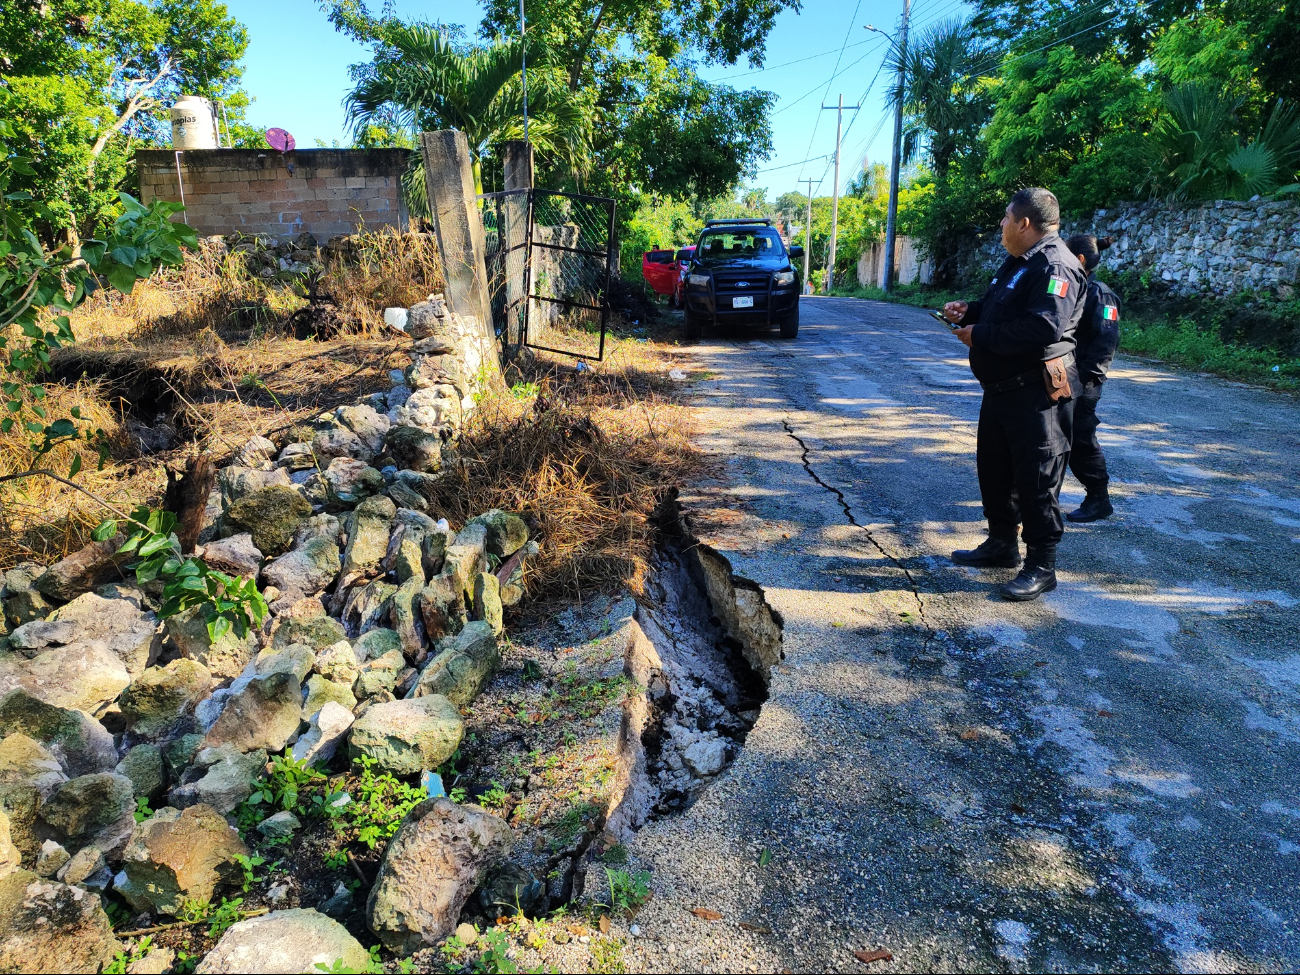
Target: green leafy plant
(336,859)
(380,803)
(627,890)
(142,810)
(249,865)
(122,959)
(374,965)
(221,918)
(227,602)
(494,958)
(495,797)
(523,391)
(286,780)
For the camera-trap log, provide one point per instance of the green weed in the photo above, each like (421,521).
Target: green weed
(123,959)
(380,803)
(627,890)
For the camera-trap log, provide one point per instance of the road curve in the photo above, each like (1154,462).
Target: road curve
(1104,779)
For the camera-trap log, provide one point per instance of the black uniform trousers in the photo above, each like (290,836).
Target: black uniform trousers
(1087,463)
(1022,448)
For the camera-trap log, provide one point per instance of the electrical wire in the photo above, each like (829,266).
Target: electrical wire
(848,32)
(786,64)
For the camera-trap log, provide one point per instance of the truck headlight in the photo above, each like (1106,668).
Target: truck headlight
(783,278)
(698,280)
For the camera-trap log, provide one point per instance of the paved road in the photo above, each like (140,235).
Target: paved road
(1106,779)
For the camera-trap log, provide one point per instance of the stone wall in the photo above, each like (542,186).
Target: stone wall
(1204,249)
(323,192)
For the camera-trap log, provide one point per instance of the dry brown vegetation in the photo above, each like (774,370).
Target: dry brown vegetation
(204,358)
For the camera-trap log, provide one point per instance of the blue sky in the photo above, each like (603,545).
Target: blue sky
(297,71)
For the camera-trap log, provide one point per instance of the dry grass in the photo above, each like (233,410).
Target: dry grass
(587,460)
(586,455)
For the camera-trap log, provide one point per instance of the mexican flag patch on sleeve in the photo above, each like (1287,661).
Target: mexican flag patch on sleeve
(1057,286)
(1110,313)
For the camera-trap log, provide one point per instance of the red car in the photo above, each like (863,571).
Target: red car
(663,271)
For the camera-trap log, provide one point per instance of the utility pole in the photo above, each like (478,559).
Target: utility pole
(523,69)
(835,198)
(807,240)
(891,223)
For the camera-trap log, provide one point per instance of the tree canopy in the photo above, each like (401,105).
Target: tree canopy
(85,82)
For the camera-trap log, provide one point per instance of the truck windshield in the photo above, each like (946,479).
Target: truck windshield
(721,245)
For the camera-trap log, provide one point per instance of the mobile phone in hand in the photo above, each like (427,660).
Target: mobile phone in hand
(939,316)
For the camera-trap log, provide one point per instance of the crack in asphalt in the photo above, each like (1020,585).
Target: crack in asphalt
(852,520)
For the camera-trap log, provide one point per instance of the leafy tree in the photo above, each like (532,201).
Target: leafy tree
(84,82)
(944,90)
(422,80)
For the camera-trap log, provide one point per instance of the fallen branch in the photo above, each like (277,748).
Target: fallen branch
(244,915)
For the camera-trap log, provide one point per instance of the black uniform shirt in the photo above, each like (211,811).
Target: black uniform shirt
(1098,332)
(1029,313)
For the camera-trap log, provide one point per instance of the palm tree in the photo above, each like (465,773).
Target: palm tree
(945,101)
(1198,153)
(423,81)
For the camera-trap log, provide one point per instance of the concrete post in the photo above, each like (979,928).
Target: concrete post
(457,224)
(517,159)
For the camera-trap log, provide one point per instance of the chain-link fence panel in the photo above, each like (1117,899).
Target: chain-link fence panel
(571,248)
(507,238)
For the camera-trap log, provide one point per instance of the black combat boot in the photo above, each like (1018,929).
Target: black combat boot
(1096,506)
(997,551)
(1037,577)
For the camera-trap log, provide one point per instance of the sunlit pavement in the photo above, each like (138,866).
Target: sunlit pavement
(1105,779)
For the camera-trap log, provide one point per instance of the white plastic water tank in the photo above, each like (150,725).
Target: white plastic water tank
(194,123)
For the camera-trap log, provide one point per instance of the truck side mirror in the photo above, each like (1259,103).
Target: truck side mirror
(796,250)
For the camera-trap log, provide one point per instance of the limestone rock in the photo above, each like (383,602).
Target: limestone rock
(86,866)
(413,449)
(271,515)
(332,440)
(279,826)
(406,737)
(317,632)
(19,602)
(436,859)
(298,940)
(487,601)
(366,606)
(405,496)
(321,692)
(327,729)
(296,659)
(506,533)
(255,454)
(11,858)
(512,585)
(405,614)
(369,527)
(265,715)
(462,667)
(442,607)
(221,777)
(375,643)
(237,483)
(52,927)
(338,663)
(97,807)
(28,776)
(380,674)
(82,571)
(227,657)
(296,457)
(123,624)
(236,555)
(162,699)
(51,857)
(367,423)
(80,743)
(304,571)
(349,481)
(177,855)
(143,765)
(86,676)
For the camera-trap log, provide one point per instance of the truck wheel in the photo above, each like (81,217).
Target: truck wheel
(790,324)
(692,327)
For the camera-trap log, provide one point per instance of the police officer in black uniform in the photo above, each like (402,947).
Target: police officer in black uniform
(1097,338)
(1021,339)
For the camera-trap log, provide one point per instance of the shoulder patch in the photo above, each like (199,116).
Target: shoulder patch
(1014,278)
(1110,313)
(1057,286)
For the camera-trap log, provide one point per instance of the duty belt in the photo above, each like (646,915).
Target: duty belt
(1025,378)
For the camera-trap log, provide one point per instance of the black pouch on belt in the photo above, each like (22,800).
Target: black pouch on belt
(1056,379)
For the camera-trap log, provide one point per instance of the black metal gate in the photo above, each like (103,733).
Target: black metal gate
(550,257)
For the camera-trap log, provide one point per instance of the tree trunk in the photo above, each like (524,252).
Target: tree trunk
(187,498)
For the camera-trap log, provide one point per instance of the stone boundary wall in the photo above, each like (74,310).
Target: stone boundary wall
(1206,249)
(323,192)
(909,266)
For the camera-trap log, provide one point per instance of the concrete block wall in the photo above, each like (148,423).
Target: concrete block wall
(323,192)
(909,268)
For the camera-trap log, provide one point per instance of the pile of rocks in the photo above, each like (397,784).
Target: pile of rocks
(384,623)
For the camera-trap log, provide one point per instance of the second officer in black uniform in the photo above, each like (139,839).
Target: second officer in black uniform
(1097,338)
(1021,340)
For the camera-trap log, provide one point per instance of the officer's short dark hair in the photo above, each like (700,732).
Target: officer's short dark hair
(1039,205)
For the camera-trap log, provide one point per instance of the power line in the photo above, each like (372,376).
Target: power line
(772,169)
(786,64)
(834,74)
